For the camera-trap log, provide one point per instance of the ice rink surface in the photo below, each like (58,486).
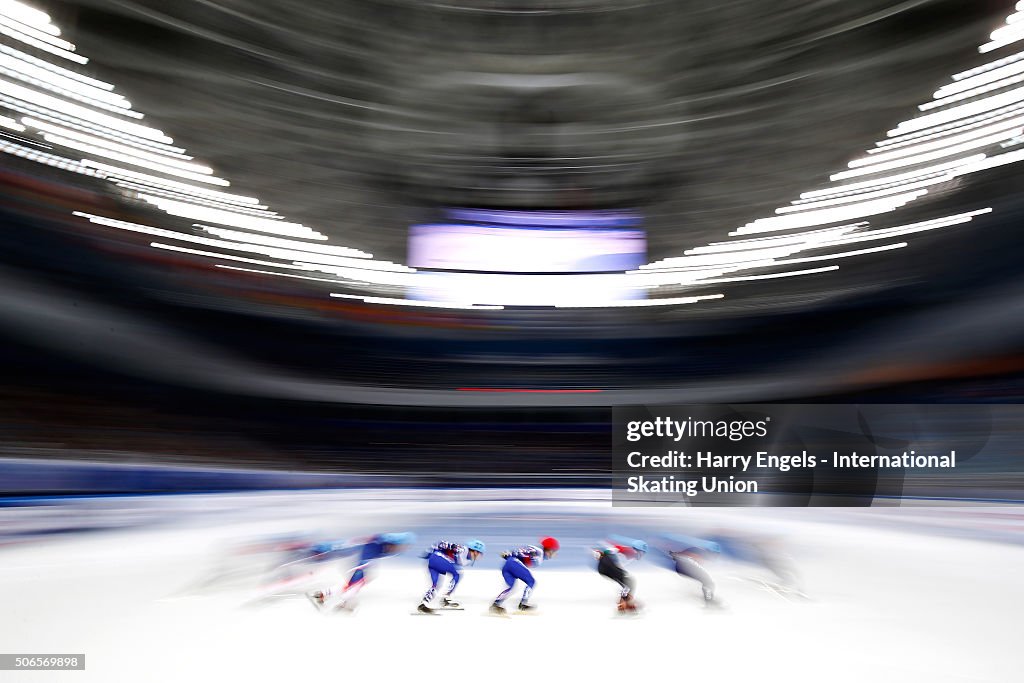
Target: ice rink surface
(888,599)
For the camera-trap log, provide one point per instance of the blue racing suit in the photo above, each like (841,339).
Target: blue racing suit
(444,559)
(517,568)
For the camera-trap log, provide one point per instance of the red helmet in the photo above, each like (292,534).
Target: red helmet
(550,543)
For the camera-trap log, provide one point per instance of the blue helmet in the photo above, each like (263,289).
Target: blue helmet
(398,538)
(476,545)
(639,546)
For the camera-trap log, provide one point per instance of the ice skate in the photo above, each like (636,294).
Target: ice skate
(448,603)
(628,606)
(711,601)
(317,598)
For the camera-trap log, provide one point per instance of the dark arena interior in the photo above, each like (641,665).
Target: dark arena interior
(281,276)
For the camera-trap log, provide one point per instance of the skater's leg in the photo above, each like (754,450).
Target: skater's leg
(614,571)
(628,584)
(527,591)
(351,590)
(510,581)
(607,566)
(686,565)
(352,587)
(455,582)
(435,575)
(357,576)
(438,566)
(520,571)
(348,592)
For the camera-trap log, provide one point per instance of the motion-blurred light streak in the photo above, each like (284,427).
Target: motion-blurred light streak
(164,156)
(90,125)
(12,31)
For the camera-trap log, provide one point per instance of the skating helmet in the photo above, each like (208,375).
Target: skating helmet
(550,543)
(639,546)
(476,545)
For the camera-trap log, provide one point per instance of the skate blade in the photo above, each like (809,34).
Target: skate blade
(417,613)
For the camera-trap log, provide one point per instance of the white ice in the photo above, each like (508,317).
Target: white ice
(887,602)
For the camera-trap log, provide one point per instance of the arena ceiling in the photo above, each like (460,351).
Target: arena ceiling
(360,117)
(757,142)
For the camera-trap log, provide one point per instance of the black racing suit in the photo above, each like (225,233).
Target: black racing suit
(608,565)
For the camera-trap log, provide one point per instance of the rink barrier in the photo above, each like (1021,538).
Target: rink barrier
(35,478)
